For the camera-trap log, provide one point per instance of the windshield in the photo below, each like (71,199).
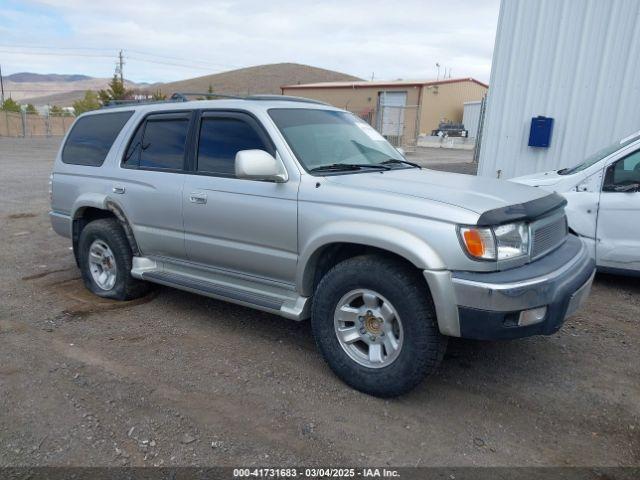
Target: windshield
(600,154)
(326,140)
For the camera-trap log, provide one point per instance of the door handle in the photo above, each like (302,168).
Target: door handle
(118,189)
(200,198)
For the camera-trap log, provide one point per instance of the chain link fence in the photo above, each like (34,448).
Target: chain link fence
(14,124)
(398,124)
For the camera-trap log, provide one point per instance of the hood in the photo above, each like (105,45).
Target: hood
(477,194)
(543,179)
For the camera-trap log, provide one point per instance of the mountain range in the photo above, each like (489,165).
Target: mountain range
(63,90)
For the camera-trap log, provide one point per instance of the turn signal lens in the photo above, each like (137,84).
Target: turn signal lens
(473,240)
(479,242)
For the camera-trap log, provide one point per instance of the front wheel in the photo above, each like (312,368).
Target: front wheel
(374,322)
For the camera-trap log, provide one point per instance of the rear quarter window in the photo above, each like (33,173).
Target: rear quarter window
(91,138)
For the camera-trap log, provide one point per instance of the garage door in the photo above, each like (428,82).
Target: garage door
(391,106)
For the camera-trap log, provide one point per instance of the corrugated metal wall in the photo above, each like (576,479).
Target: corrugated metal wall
(471,117)
(575,60)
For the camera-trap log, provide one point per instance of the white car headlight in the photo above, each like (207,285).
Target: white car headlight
(512,240)
(503,242)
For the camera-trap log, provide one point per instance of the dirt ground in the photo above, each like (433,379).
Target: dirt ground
(177,379)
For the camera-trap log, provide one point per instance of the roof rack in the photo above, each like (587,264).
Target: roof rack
(180,96)
(183,97)
(287,98)
(120,103)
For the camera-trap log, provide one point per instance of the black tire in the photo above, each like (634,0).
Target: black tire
(423,346)
(110,232)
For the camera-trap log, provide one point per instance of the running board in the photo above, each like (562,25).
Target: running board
(251,294)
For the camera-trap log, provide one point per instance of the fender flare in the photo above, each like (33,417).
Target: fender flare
(400,242)
(104,202)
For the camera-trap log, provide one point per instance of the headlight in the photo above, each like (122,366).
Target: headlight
(498,243)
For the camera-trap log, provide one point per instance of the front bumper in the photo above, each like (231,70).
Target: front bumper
(488,306)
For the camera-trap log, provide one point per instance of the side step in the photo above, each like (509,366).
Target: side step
(208,288)
(224,287)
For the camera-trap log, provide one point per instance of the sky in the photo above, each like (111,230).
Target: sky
(172,40)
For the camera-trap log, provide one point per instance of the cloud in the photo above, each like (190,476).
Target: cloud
(400,39)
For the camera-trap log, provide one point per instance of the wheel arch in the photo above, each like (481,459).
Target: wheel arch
(93,208)
(339,242)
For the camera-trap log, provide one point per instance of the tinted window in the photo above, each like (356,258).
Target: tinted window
(163,143)
(220,140)
(91,138)
(132,155)
(625,171)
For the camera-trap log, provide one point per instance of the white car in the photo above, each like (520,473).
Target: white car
(603,195)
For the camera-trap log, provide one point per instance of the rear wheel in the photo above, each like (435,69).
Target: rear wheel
(106,259)
(374,322)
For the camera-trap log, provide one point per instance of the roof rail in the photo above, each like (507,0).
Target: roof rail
(120,103)
(182,96)
(286,98)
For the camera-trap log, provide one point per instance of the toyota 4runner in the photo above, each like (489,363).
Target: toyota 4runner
(303,210)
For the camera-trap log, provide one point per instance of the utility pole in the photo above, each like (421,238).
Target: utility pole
(1,88)
(120,64)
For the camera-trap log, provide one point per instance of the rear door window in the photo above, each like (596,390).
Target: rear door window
(163,142)
(91,138)
(159,142)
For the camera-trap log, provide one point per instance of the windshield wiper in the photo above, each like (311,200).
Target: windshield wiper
(396,161)
(344,167)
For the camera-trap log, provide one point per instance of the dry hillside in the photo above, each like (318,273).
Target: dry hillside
(244,81)
(258,79)
(56,92)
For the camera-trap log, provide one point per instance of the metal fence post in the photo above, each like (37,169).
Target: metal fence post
(478,145)
(23,115)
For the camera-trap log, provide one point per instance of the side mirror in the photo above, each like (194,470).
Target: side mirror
(259,165)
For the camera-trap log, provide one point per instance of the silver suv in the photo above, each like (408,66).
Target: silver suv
(305,211)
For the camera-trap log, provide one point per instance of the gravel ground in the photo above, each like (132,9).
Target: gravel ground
(447,159)
(177,379)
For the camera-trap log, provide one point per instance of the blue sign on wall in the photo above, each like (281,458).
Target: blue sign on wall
(540,133)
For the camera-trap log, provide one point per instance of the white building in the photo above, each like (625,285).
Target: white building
(471,117)
(576,61)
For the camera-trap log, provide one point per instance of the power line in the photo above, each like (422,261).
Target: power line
(58,54)
(48,47)
(201,62)
(197,63)
(197,67)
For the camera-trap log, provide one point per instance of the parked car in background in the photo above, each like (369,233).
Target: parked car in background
(603,195)
(305,211)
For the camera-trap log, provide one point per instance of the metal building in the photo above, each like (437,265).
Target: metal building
(471,117)
(575,61)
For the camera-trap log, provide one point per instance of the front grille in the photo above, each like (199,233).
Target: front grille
(548,234)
